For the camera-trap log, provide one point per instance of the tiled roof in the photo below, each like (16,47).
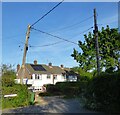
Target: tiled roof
(44,69)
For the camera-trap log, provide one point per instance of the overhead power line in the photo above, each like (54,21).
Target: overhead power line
(48,44)
(72,25)
(54,36)
(14,36)
(103,24)
(47,13)
(16,40)
(86,30)
(58,41)
(76,23)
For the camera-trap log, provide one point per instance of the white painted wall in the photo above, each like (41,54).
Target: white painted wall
(60,78)
(30,81)
(45,80)
(38,83)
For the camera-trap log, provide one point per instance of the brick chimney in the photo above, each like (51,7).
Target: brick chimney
(62,66)
(35,62)
(50,65)
(18,67)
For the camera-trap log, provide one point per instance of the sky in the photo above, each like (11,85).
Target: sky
(64,21)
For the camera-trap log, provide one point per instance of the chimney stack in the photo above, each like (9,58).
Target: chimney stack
(35,62)
(62,66)
(18,67)
(50,65)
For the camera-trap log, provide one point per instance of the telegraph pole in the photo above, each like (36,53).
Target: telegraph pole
(24,54)
(96,42)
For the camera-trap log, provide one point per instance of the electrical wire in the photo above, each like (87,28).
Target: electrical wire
(48,44)
(14,36)
(19,41)
(76,23)
(102,24)
(47,13)
(54,36)
(71,26)
(86,30)
(59,41)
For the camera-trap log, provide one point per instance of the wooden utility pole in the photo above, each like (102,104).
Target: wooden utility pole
(96,42)
(24,54)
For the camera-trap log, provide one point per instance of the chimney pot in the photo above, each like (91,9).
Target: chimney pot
(18,67)
(62,66)
(50,64)
(35,62)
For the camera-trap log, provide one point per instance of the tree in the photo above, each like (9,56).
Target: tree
(8,75)
(109,50)
(7,68)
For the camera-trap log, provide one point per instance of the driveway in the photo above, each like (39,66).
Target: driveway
(51,105)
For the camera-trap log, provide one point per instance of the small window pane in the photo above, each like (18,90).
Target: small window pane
(55,76)
(48,76)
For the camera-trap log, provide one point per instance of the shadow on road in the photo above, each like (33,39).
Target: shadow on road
(53,105)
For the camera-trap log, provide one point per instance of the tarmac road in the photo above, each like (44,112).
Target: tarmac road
(51,105)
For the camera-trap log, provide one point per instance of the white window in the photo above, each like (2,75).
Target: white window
(55,76)
(37,76)
(33,76)
(48,76)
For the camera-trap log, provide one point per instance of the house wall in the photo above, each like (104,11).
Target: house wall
(60,78)
(44,80)
(27,74)
(38,83)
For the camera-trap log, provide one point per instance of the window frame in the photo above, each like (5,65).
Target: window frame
(49,76)
(55,77)
(38,76)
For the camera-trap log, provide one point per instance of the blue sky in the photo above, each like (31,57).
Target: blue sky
(16,17)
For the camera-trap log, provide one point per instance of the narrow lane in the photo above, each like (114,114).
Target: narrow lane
(51,105)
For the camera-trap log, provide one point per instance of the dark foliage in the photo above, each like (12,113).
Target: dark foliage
(103,92)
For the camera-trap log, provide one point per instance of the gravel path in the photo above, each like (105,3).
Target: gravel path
(51,105)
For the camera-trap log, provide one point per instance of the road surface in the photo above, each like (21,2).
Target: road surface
(51,105)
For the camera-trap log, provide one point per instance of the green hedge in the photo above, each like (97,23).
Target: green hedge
(103,93)
(53,90)
(7,79)
(22,98)
(70,89)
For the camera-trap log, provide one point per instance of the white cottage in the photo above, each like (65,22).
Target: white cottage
(37,75)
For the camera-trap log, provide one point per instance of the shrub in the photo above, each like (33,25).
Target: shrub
(53,89)
(103,92)
(8,80)
(64,88)
(22,98)
(8,75)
